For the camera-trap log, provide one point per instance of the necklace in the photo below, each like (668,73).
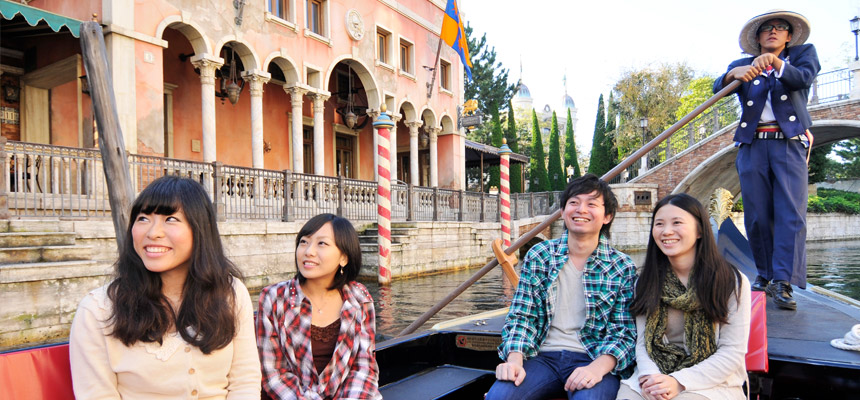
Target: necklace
(322,304)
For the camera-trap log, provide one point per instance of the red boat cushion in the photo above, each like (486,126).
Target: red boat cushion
(757,347)
(40,373)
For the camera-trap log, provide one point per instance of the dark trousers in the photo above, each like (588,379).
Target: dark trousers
(773,176)
(545,377)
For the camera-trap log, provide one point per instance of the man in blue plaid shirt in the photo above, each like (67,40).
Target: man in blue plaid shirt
(569,330)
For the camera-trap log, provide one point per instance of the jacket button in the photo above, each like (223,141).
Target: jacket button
(750,103)
(792,118)
(743,124)
(756,82)
(783,97)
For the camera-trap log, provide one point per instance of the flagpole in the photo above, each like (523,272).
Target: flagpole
(433,79)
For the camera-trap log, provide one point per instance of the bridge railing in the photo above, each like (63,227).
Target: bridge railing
(827,87)
(55,181)
(832,86)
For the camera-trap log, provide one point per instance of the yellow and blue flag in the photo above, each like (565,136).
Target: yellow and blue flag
(454,34)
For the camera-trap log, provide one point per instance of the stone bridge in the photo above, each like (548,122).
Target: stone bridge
(710,163)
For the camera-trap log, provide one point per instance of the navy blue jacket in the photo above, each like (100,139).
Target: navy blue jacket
(788,97)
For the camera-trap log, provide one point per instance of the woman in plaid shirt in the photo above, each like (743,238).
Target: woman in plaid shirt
(315,332)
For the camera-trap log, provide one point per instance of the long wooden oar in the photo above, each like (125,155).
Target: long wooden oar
(554,216)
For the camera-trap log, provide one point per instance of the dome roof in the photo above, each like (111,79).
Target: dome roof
(522,91)
(567,102)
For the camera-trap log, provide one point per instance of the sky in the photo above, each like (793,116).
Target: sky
(594,41)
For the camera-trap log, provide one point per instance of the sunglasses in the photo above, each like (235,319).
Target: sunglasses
(768,28)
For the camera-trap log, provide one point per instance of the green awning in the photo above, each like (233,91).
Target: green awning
(34,15)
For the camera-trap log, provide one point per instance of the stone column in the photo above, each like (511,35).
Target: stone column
(413,150)
(393,147)
(319,132)
(383,197)
(256,79)
(296,92)
(434,156)
(373,115)
(207,65)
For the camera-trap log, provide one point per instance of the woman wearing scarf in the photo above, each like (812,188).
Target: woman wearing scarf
(692,311)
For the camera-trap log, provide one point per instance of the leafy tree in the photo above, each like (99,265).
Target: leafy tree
(819,164)
(570,148)
(496,140)
(697,92)
(538,180)
(849,152)
(489,84)
(512,135)
(553,165)
(652,93)
(601,160)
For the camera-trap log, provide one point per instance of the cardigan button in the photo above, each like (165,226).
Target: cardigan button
(187,349)
(750,103)
(194,392)
(756,82)
(191,371)
(792,118)
(743,124)
(783,97)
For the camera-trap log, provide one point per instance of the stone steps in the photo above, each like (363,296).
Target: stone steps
(24,225)
(31,272)
(36,254)
(28,239)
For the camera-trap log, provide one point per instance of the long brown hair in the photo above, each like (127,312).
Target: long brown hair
(206,317)
(712,277)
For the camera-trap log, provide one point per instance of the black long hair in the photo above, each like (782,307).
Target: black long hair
(345,239)
(712,277)
(206,317)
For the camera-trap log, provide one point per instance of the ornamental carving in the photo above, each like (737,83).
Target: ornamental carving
(354,24)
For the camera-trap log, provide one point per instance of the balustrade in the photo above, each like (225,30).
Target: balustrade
(55,181)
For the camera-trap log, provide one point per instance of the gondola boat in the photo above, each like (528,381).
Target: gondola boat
(457,359)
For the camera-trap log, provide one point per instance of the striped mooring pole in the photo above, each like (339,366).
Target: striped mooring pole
(505,191)
(383,194)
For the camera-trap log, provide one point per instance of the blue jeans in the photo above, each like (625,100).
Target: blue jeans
(545,378)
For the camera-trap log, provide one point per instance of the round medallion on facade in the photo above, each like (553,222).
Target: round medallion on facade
(354,24)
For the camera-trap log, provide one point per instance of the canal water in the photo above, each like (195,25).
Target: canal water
(834,265)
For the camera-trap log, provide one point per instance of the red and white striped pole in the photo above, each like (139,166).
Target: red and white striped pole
(383,194)
(505,191)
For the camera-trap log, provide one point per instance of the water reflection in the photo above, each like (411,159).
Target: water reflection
(405,300)
(835,265)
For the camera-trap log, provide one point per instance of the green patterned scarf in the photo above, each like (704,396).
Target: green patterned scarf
(699,332)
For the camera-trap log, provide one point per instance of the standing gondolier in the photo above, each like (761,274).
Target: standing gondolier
(774,146)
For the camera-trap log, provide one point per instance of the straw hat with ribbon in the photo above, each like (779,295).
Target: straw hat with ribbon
(851,341)
(749,34)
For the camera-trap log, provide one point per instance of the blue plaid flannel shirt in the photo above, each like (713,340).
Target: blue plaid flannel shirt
(608,281)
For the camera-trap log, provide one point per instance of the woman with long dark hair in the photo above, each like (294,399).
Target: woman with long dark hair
(176,320)
(692,311)
(315,332)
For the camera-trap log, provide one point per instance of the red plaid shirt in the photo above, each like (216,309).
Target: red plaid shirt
(283,339)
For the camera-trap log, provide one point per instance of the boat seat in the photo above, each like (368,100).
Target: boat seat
(37,373)
(439,382)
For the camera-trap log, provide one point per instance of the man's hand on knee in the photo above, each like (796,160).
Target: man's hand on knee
(512,370)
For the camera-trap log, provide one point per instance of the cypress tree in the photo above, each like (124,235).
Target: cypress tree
(570,156)
(495,140)
(538,180)
(600,160)
(611,113)
(553,165)
(512,137)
